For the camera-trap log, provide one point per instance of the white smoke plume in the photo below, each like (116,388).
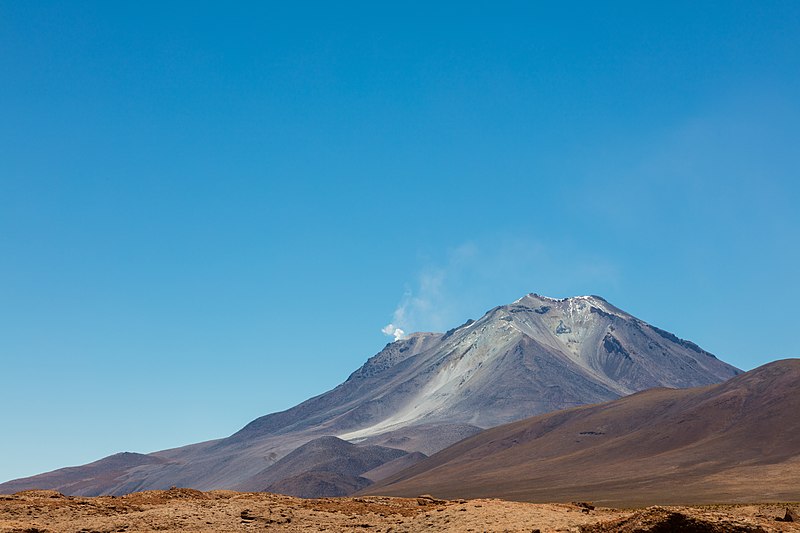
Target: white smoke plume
(420,308)
(393,331)
(474,276)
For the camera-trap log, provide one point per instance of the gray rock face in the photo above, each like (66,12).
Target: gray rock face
(533,356)
(429,390)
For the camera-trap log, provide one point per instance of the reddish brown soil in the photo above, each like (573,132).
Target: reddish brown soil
(221,511)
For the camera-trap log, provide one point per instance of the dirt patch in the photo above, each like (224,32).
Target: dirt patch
(662,520)
(178,510)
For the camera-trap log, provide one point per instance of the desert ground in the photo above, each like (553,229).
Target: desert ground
(220,511)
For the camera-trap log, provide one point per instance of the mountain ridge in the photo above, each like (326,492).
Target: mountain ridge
(429,390)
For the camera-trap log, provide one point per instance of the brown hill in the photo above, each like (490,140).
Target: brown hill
(735,441)
(319,484)
(392,467)
(72,479)
(326,466)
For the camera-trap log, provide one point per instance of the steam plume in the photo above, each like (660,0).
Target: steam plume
(393,331)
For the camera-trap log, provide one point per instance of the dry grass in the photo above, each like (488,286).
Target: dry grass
(222,511)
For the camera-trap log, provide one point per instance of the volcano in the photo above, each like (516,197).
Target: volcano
(419,395)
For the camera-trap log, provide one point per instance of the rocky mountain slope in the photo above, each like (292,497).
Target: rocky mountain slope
(430,390)
(325,455)
(735,441)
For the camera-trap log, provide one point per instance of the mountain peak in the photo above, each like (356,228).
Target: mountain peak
(573,305)
(550,298)
(427,390)
(592,299)
(569,350)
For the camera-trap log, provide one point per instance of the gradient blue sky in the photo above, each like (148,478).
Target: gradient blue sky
(209,211)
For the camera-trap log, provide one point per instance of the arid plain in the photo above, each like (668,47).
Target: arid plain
(222,511)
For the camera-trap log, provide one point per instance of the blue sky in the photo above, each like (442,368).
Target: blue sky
(208,212)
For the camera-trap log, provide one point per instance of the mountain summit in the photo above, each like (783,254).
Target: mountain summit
(429,390)
(535,355)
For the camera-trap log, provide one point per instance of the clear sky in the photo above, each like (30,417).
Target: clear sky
(209,211)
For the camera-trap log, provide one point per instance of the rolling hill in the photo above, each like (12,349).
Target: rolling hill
(734,441)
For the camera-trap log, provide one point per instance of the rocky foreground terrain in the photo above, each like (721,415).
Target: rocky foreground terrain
(220,511)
